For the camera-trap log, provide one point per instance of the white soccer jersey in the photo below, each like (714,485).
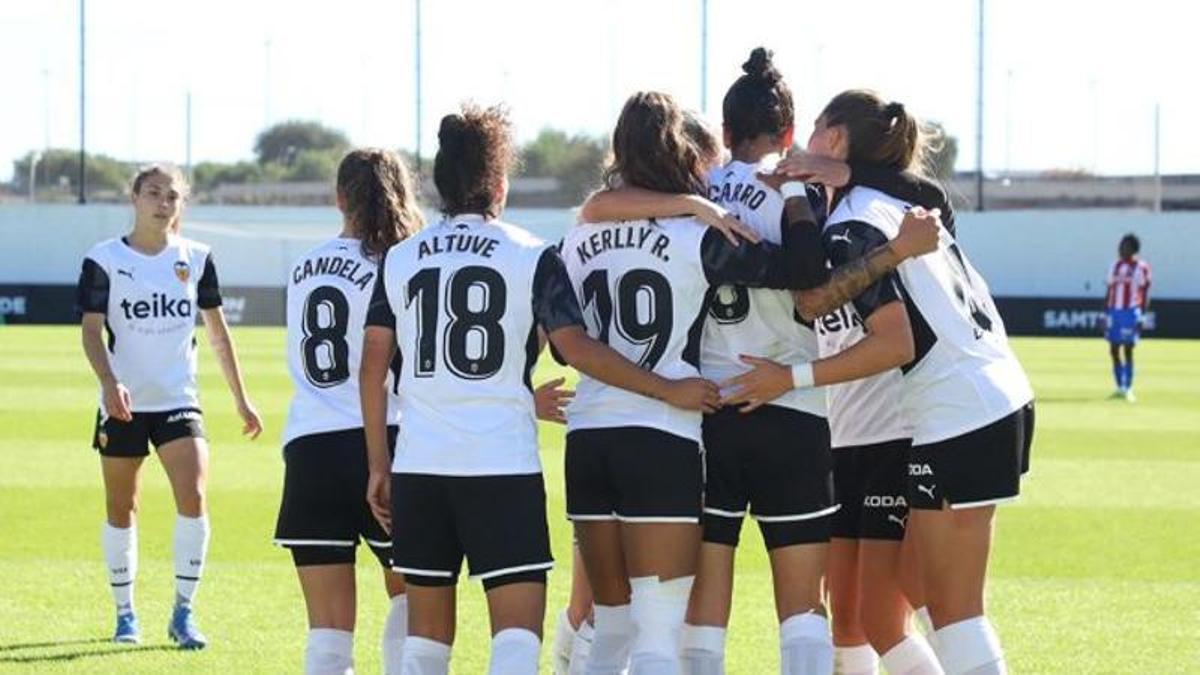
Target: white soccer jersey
(465,298)
(755,321)
(328,293)
(866,411)
(150,305)
(644,287)
(965,375)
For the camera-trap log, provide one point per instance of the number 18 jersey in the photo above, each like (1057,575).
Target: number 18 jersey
(328,293)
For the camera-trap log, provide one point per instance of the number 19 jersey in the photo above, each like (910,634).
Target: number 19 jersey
(465,298)
(328,293)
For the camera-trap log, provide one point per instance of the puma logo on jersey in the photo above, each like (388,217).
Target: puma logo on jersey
(125,273)
(920,470)
(840,237)
(885,501)
(898,520)
(927,490)
(158,306)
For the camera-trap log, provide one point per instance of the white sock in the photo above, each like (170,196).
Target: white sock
(581,646)
(703,650)
(515,652)
(329,652)
(912,656)
(121,558)
(423,656)
(805,645)
(564,637)
(191,545)
(658,609)
(857,660)
(970,647)
(612,641)
(925,624)
(394,630)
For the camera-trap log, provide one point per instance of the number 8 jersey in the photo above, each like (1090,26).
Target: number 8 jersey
(328,293)
(965,375)
(465,298)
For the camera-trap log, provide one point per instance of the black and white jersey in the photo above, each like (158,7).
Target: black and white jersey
(965,375)
(465,298)
(328,292)
(644,286)
(150,305)
(756,321)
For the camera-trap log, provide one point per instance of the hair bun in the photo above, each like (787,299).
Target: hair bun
(893,109)
(759,65)
(451,128)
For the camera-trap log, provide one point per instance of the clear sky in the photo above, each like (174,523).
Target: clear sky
(1069,83)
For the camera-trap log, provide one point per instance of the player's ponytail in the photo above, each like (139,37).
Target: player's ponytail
(379,198)
(651,148)
(475,154)
(879,132)
(759,102)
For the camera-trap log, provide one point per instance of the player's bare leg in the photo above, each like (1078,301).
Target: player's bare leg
(954,547)
(329,596)
(186,463)
(661,561)
(852,653)
(600,547)
(911,582)
(395,627)
(516,612)
(431,618)
(797,573)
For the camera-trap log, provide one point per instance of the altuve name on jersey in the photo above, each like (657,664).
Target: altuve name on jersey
(335,266)
(617,238)
(457,243)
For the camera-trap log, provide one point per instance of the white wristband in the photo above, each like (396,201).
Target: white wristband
(793,188)
(802,376)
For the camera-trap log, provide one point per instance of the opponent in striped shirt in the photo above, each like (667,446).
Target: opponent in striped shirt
(1125,308)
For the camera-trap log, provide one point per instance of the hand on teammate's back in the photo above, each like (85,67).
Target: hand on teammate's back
(693,393)
(919,234)
(379,498)
(765,382)
(810,168)
(252,424)
(117,402)
(718,218)
(550,399)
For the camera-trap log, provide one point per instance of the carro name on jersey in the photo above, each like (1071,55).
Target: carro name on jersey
(749,194)
(457,243)
(335,266)
(840,319)
(159,305)
(616,238)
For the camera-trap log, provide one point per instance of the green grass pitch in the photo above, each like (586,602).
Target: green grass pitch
(1095,570)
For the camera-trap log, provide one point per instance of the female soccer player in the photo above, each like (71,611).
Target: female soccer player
(964,392)
(464,301)
(1125,306)
(324,510)
(750,454)
(143,290)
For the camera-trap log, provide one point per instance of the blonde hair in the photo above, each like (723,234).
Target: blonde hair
(166,170)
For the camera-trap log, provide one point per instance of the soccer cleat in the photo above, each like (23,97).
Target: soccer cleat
(1129,396)
(127,629)
(183,630)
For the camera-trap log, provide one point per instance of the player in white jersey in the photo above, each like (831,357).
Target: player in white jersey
(774,458)
(324,512)
(464,301)
(144,290)
(964,392)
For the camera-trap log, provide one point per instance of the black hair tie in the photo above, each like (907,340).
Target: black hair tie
(893,110)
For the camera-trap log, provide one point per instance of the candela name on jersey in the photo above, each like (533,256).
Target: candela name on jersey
(350,270)
(159,305)
(457,243)
(616,238)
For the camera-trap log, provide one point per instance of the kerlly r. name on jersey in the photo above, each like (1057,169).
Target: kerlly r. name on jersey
(624,237)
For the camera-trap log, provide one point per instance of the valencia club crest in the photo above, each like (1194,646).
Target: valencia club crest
(183,271)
